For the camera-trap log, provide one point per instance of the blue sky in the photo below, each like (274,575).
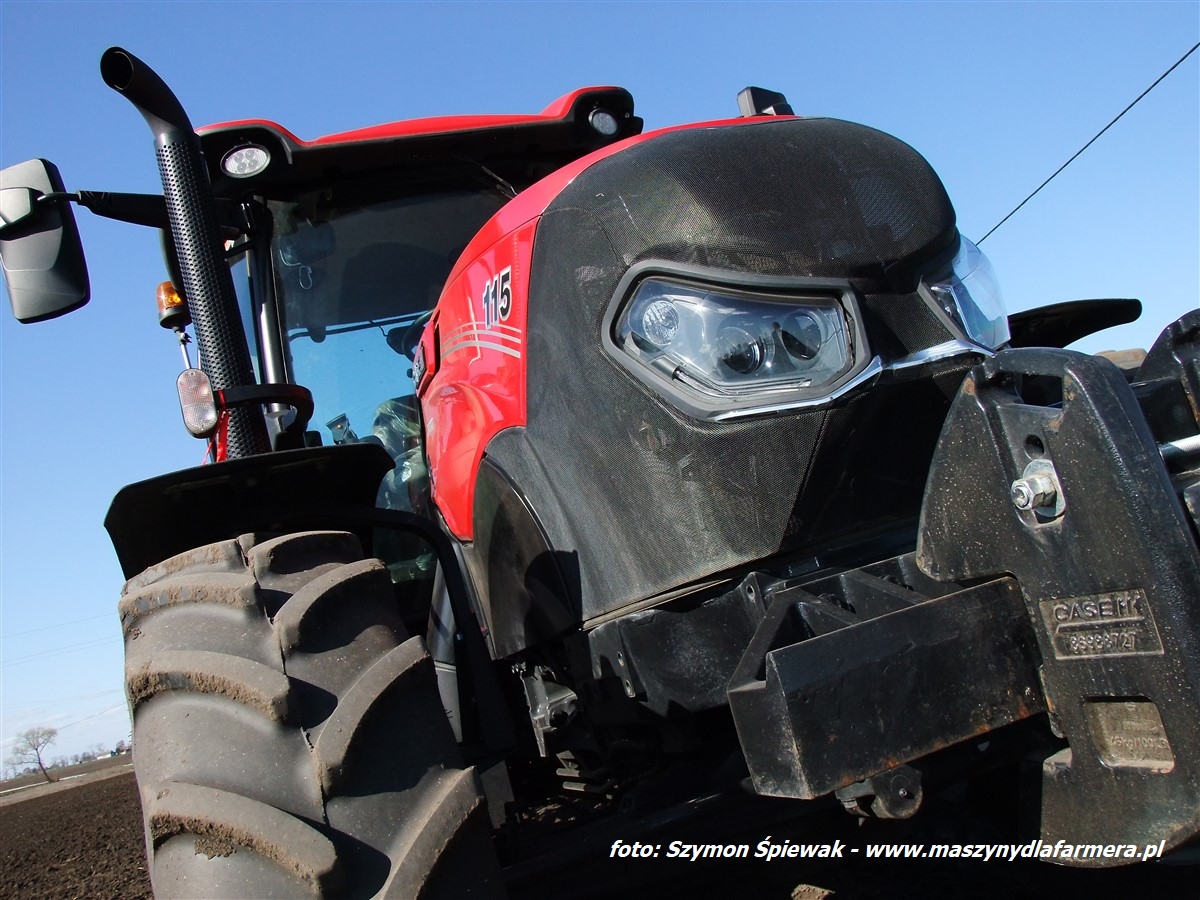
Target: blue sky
(995,95)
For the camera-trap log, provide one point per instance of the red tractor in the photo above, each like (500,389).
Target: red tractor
(569,481)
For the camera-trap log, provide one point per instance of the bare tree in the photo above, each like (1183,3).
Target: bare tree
(29,747)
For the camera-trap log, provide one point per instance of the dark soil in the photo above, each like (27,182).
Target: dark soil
(78,843)
(82,840)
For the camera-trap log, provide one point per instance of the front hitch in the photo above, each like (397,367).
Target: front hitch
(1053,468)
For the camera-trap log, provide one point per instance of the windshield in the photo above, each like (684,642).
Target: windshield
(355,283)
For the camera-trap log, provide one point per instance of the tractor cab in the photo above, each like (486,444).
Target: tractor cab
(347,242)
(338,248)
(348,283)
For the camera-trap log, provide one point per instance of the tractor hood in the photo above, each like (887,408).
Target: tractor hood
(794,251)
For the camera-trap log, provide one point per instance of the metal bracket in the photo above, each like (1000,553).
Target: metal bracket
(1110,586)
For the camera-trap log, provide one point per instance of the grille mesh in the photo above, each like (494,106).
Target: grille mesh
(900,325)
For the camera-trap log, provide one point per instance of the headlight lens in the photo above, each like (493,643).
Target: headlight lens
(245,161)
(197,403)
(967,291)
(723,343)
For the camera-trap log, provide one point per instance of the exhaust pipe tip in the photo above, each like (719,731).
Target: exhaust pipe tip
(141,86)
(117,68)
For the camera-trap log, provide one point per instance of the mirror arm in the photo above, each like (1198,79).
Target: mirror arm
(57,197)
(137,209)
(143,209)
(17,212)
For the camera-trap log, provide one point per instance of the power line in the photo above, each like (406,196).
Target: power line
(58,651)
(19,711)
(102,712)
(6,745)
(1092,141)
(13,634)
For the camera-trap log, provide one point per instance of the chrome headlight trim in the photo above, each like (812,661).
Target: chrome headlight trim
(737,359)
(864,368)
(907,368)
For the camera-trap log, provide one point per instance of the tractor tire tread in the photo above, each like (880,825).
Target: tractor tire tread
(288,734)
(226,822)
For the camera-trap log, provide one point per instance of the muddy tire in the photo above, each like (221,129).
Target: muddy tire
(288,735)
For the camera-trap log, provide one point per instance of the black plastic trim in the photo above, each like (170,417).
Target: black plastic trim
(155,519)
(520,581)
(1061,324)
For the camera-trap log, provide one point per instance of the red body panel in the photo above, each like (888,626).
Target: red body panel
(532,202)
(474,384)
(559,109)
(264,124)
(434,125)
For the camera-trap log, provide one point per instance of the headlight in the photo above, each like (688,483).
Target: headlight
(245,161)
(196,401)
(967,291)
(719,350)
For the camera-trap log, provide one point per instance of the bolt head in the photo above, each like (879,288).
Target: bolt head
(1034,492)
(1022,496)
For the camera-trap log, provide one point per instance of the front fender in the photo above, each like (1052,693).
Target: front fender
(155,519)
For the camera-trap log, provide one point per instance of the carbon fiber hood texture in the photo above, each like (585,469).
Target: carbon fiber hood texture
(646,499)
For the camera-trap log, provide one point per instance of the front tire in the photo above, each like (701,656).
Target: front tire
(289,739)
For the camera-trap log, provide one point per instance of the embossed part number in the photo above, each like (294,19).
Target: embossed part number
(1116,623)
(1103,642)
(497,298)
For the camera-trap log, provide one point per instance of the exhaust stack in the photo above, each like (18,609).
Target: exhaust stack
(207,285)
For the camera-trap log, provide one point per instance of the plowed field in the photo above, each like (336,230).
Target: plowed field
(78,843)
(82,839)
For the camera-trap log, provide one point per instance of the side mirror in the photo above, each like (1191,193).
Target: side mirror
(40,248)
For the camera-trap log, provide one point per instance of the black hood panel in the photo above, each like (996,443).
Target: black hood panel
(812,197)
(644,498)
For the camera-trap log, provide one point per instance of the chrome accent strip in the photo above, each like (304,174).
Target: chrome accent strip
(876,368)
(939,352)
(1173,451)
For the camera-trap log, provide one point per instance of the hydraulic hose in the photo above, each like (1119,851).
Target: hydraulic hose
(207,284)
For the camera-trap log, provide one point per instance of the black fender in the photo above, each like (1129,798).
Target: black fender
(313,489)
(161,517)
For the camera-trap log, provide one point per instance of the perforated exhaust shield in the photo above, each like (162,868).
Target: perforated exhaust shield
(646,498)
(207,284)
